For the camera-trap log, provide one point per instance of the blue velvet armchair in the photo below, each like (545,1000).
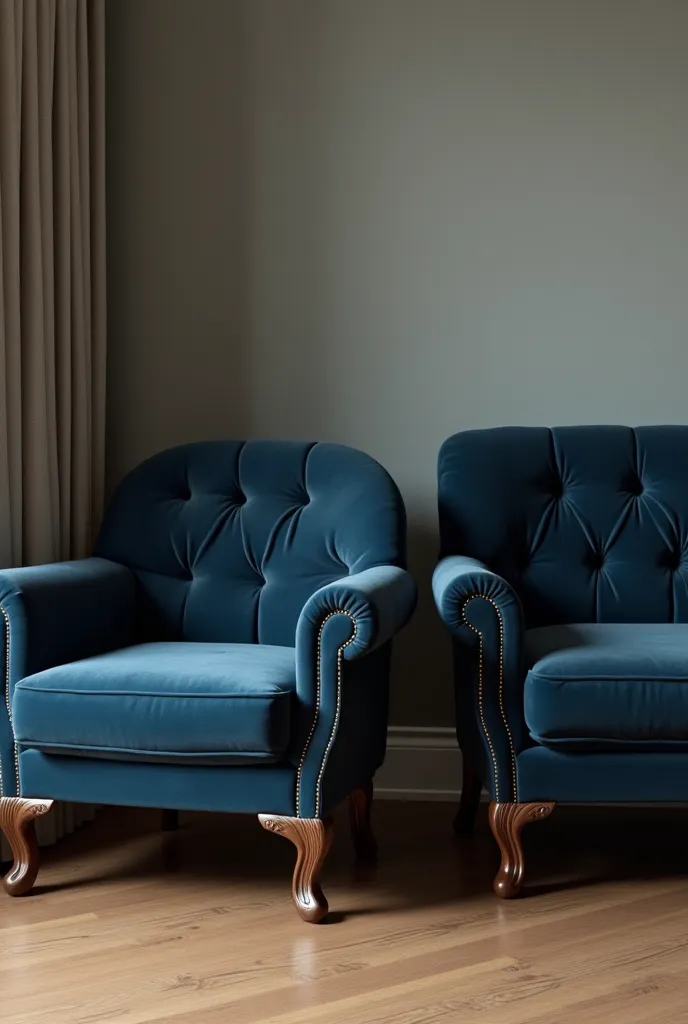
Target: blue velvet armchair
(564,583)
(226,649)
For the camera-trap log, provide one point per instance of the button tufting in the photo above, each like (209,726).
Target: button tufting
(635,487)
(556,487)
(300,501)
(671,560)
(597,560)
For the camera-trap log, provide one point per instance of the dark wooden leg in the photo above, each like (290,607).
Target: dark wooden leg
(17,821)
(506,822)
(360,805)
(312,838)
(170,821)
(471,788)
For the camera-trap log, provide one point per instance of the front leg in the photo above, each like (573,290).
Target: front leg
(506,822)
(17,821)
(312,838)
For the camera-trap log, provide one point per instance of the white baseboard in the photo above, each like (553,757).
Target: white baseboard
(421,764)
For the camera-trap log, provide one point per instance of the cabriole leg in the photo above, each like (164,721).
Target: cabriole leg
(312,838)
(17,821)
(507,821)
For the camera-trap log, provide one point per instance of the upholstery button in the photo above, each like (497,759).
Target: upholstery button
(300,501)
(635,487)
(185,494)
(671,560)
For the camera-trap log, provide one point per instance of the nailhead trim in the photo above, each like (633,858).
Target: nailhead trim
(333,733)
(500,692)
(7,702)
(335,723)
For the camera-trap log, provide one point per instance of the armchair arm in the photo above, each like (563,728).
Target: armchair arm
(374,605)
(484,615)
(342,622)
(53,614)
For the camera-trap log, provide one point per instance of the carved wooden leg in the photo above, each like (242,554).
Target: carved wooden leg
(506,822)
(360,805)
(471,788)
(17,821)
(312,838)
(170,821)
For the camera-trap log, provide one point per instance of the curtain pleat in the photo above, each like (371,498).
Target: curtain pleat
(52,267)
(52,283)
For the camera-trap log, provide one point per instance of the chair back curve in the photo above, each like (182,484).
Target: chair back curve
(588,524)
(229,539)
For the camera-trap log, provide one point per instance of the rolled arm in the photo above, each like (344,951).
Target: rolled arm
(343,622)
(51,615)
(377,603)
(484,615)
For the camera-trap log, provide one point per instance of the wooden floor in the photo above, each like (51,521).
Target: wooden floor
(196,927)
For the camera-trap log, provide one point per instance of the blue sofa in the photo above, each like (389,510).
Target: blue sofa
(226,649)
(564,583)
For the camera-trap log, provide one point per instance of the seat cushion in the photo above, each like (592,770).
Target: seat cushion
(205,703)
(608,686)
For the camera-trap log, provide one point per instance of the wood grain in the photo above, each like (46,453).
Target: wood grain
(312,838)
(17,821)
(507,822)
(130,926)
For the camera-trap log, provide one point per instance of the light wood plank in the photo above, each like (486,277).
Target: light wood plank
(133,926)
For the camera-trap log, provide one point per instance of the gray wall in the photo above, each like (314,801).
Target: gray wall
(382,221)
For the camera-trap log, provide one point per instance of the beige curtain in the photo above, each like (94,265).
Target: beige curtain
(52,272)
(52,282)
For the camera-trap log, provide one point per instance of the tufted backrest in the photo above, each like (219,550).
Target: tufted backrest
(229,539)
(588,524)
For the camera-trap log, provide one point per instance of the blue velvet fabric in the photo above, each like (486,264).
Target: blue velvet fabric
(228,540)
(244,790)
(587,524)
(484,614)
(602,777)
(249,594)
(221,703)
(54,614)
(340,624)
(547,527)
(607,686)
